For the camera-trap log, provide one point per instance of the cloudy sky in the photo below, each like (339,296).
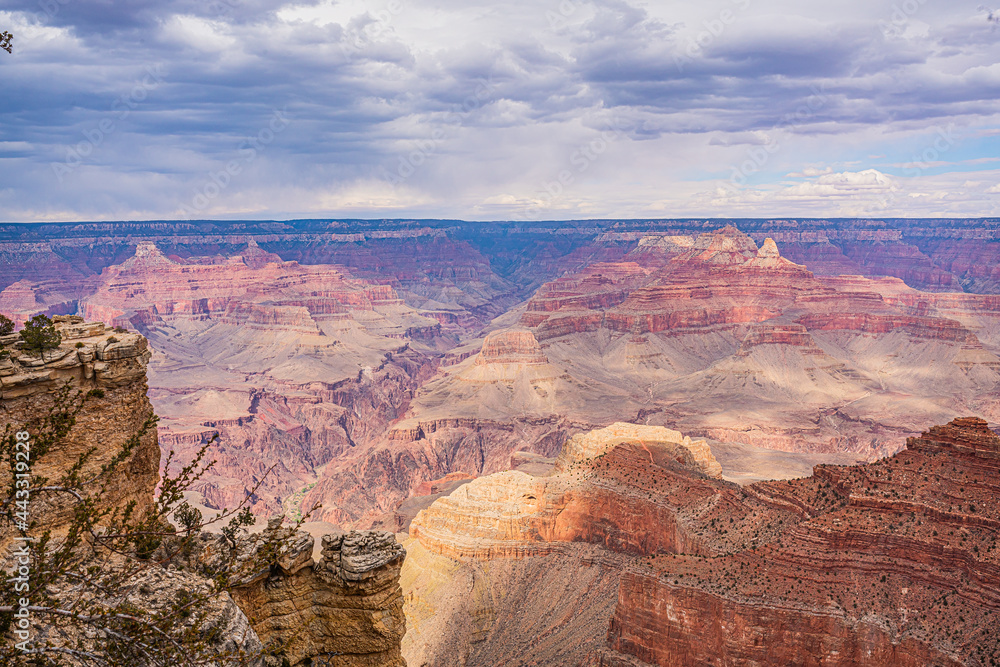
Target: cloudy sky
(525,109)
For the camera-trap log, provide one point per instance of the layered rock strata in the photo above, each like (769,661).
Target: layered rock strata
(800,362)
(511,347)
(296,367)
(892,563)
(888,563)
(110,369)
(610,494)
(346,607)
(614,494)
(693,453)
(284,337)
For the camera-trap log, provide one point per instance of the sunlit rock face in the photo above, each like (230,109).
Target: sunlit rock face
(352,362)
(611,496)
(851,565)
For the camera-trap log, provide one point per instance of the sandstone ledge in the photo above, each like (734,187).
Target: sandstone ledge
(89,356)
(695,453)
(348,603)
(110,367)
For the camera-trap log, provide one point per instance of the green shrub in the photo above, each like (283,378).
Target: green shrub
(39,334)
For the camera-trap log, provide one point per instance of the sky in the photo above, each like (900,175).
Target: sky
(520,110)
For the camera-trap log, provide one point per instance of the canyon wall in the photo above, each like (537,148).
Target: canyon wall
(479,556)
(378,367)
(107,370)
(901,568)
(350,362)
(887,563)
(347,604)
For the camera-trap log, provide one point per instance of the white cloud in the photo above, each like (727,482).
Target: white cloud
(815,92)
(809,172)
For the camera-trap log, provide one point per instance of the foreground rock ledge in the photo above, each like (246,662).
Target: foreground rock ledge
(347,606)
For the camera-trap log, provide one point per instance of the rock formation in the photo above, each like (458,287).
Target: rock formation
(362,359)
(613,495)
(891,563)
(347,604)
(378,366)
(111,366)
(888,563)
(511,347)
(272,355)
(694,453)
(713,320)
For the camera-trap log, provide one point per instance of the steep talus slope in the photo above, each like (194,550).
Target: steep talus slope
(889,563)
(537,609)
(615,494)
(894,563)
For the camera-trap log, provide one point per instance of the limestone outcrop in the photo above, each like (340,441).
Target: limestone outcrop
(694,453)
(511,346)
(110,367)
(346,607)
(347,604)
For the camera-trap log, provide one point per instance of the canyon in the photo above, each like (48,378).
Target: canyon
(522,403)
(347,363)
(888,563)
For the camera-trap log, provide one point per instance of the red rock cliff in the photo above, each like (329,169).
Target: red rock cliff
(894,563)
